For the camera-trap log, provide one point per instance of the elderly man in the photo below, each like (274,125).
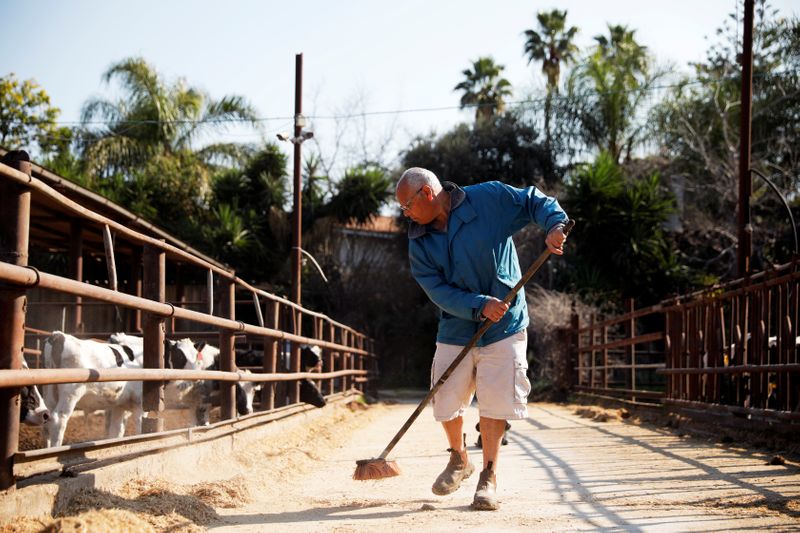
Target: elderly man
(463,257)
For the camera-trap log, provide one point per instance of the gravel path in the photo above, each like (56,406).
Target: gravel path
(559,472)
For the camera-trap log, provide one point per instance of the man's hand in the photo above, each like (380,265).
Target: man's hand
(494,309)
(555,240)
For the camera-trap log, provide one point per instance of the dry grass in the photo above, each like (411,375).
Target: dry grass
(265,467)
(599,414)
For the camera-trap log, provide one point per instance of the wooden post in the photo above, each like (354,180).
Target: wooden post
(576,373)
(76,271)
(154,289)
(227,355)
(270,357)
(136,287)
(593,352)
(605,358)
(630,332)
(330,359)
(294,386)
(347,361)
(15,208)
(359,361)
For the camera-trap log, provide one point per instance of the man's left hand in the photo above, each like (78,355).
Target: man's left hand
(555,240)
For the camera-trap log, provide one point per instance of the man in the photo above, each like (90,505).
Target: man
(463,257)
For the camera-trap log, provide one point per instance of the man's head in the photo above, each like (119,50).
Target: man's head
(417,193)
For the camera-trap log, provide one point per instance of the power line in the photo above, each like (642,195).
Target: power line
(238,120)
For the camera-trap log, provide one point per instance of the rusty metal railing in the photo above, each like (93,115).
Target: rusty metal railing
(615,358)
(732,350)
(348,353)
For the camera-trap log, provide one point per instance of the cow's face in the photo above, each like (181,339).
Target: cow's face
(310,358)
(32,408)
(181,354)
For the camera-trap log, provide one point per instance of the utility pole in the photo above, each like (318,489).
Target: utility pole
(744,228)
(297,229)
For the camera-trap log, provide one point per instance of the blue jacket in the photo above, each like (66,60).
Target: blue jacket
(475,258)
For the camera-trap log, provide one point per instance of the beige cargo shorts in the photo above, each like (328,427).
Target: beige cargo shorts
(497,373)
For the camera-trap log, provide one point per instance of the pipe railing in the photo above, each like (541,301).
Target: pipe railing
(341,343)
(37,185)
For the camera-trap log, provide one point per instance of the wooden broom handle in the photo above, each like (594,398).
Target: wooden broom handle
(485,325)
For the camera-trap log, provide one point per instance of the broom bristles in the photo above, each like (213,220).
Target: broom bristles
(368,469)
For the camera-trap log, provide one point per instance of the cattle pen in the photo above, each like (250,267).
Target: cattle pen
(282,327)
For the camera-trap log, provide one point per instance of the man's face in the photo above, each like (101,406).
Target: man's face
(416,203)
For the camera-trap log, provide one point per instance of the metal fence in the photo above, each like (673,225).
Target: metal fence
(732,351)
(347,353)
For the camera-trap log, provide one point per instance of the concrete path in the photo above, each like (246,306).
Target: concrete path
(559,472)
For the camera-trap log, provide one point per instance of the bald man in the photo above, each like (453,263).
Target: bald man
(463,257)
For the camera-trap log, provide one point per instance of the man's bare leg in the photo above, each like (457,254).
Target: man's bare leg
(458,467)
(455,435)
(491,434)
(492,431)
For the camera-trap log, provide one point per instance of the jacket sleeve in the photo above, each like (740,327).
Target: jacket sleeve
(451,299)
(530,205)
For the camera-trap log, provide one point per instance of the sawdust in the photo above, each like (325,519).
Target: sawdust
(107,520)
(599,414)
(265,468)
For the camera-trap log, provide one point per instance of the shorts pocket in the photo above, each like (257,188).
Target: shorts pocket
(522,386)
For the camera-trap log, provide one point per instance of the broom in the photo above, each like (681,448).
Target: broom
(379,467)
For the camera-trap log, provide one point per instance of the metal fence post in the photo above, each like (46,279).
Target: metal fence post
(227,355)
(154,288)
(270,358)
(15,208)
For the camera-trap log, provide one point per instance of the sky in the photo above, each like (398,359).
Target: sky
(358,56)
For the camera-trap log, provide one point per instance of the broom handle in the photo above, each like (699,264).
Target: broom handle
(485,325)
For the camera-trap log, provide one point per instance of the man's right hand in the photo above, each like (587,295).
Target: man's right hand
(494,309)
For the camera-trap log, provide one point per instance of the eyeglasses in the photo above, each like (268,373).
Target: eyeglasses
(406,206)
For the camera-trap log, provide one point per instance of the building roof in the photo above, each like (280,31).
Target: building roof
(377,226)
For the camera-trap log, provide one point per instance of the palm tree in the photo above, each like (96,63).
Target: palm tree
(154,119)
(552,45)
(484,89)
(607,90)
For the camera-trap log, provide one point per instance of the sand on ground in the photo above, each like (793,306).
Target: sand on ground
(564,469)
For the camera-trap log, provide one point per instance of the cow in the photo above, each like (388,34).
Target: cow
(245,390)
(116,398)
(310,360)
(32,409)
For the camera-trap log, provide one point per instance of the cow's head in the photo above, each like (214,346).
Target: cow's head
(180,354)
(32,409)
(245,394)
(310,357)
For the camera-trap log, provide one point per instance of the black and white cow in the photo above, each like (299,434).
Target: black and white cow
(32,409)
(245,390)
(115,398)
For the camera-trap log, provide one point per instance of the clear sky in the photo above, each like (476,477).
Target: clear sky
(359,55)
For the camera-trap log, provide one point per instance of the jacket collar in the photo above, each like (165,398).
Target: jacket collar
(460,212)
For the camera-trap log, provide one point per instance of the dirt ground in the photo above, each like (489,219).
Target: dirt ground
(568,467)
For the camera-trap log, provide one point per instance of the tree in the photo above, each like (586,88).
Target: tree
(552,45)
(697,126)
(621,249)
(27,117)
(605,93)
(247,226)
(360,194)
(504,148)
(484,88)
(154,119)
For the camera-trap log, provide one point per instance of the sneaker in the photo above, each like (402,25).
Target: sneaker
(485,495)
(450,479)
